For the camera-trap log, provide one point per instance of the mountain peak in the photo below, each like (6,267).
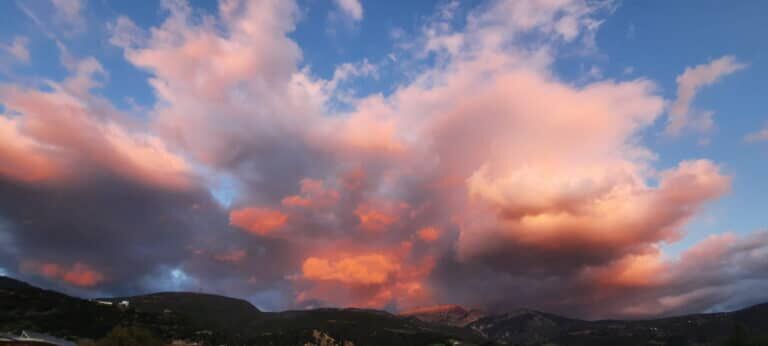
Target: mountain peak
(449,314)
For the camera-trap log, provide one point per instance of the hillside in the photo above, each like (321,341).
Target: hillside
(212,319)
(217,320)
(25,307)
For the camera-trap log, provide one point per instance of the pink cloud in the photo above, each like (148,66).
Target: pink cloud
(519,176)
(58,135)
(23,158)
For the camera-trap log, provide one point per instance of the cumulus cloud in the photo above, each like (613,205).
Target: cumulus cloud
(689,83)
(484,172)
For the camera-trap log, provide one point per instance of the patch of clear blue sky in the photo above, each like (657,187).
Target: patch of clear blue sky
(656,39)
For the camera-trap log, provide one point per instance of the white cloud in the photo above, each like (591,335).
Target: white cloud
(352,8)
(688,84)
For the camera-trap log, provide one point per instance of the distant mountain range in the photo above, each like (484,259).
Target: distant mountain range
(217,320)
(452,315)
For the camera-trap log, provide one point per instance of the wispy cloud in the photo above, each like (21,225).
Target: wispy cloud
(689,83)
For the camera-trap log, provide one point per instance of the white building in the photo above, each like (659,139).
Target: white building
(123,304)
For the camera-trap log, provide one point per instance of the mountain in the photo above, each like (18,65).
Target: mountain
(452,315)
(217,320)
(522,326)
(200,311)
(530,327)
(213,320)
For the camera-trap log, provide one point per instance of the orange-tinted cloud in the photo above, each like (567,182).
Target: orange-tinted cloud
(79,274)
(357,270)
(83,276)
(429,234)
(375,218)
(366,278)
(260,221)
(296,201)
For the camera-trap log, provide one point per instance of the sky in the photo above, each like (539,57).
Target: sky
(599,159)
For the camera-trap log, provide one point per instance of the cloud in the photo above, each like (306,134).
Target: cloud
(24,158)
(376,218)
(366,279)
(759,136)
(351,8)
(712,274)
(429,234)
(125,34)
(483,172)
(57,136)
(78,274)
(257,220)
(361,270)
(688,85)
(314,194)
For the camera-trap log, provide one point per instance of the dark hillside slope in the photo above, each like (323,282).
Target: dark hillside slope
(25,307)
(198,310)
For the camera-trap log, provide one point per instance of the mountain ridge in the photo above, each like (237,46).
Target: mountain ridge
(214,320)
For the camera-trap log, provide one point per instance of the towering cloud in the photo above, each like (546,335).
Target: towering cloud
(483,172)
